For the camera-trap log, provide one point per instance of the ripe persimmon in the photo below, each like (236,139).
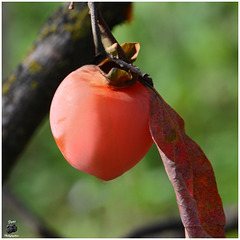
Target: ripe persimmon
(100,130)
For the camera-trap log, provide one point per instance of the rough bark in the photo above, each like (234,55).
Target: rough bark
(63,45)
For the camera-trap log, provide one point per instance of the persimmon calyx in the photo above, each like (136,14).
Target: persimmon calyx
(119,76)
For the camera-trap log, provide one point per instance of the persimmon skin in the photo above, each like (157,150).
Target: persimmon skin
(100,130)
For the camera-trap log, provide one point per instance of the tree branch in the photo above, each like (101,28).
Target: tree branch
(63,45)
(9,200)
(172,227)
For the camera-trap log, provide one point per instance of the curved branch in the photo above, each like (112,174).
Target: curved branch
(173,226)
(10,200)
(63,45)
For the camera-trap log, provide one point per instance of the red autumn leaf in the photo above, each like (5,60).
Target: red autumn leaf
(189,170)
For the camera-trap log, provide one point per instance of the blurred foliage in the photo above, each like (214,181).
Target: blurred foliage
(191,51)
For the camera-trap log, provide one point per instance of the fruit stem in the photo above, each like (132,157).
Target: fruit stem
(107,32)
(100,52)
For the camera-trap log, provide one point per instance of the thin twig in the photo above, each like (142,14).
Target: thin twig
(122,63)
(99,48)
(107,32)
(144,76)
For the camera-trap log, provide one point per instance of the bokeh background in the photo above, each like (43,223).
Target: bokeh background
(191,51)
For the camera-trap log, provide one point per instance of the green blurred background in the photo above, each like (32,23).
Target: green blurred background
(191,51)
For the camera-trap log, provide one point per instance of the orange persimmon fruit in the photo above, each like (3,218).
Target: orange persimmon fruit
(100,130)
